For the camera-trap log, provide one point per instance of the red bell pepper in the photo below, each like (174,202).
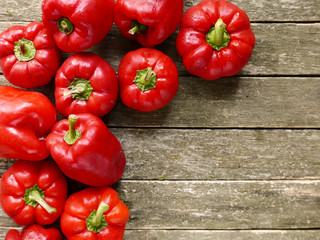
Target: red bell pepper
(77,25)
(148,79)
(215,39)
(86,150)
(147,21)
(26,119)
(29,56)
(34,232)
(85,83)
(33,192)
(94,213)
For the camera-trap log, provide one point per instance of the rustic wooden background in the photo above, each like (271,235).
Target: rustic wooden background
(235,158)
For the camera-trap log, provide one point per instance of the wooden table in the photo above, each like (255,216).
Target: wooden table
(235,158)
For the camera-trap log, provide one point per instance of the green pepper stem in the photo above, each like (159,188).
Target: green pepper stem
(101,209)
(65,25)
(80,89)
(24,50)
(148,76)
(72,135)
(145,79)
(76,90)
(96,221)
(137,27)
(35,196)
(134,30)
(217,36)
(72,119)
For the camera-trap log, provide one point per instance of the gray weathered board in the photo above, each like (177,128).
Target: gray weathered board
(239,157)
(278,51)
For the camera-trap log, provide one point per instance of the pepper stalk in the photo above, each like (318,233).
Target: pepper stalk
(96,221)
(65,25)
(218,37)
(72,135)
(24,50)
(145,79)
(137,27)
(34,196)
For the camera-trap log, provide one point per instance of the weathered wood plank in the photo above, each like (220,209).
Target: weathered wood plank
(220,154)
(222,205)
(280,55)
(232,102)
(213,234)
(218,205)
(265,102)
(278,51)
(217,154)
(270,55)
(282,10)
(261,10)
(221,235)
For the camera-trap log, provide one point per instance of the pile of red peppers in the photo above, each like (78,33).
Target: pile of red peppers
(215,40)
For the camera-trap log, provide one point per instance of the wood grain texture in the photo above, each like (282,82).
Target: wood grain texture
(220,154)
(153,154)
(201,167)
(257,10)
(280,55)
(241,102)
(218,205)
(221,235)
(213,234)
(222,205)
(232,102)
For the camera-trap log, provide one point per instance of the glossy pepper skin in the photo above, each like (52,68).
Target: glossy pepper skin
(29,57)
(86,150)
(148,79)
(215,39)
(34,232)
(33,192)
(79,24)
(85,83)
(94,213)
(147,21)
(26,119)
